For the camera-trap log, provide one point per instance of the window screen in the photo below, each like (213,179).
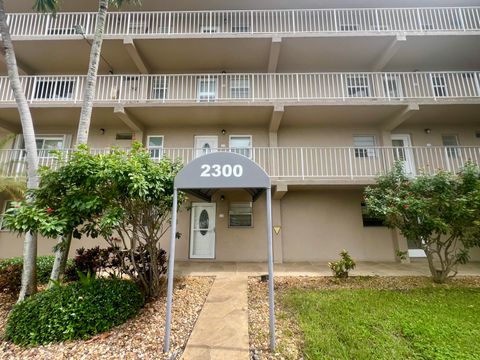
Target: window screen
(240,215)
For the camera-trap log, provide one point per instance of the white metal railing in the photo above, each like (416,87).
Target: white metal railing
(301,163)
(257,87)
(250,22)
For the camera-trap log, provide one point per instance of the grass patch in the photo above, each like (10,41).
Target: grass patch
(418,323)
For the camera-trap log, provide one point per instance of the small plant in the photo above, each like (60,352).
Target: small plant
(75,311)
(341,267)
(402,255)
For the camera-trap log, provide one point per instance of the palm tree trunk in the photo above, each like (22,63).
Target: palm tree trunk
(61,257)
(61,253)
(29,284)
(89,94)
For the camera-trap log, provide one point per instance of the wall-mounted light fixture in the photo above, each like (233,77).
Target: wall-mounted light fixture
(222,197)
(102,131)
(224,131)
(428,131)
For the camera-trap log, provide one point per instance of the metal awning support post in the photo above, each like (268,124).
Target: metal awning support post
(171,265)
(271,299)
(202,177)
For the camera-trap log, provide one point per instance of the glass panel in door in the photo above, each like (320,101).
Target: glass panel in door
(402,151)
(202,235)
(205,145)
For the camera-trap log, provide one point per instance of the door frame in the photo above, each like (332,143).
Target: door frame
(192,232)
(409,156)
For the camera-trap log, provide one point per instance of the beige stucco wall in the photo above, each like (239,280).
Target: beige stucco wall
(317,225)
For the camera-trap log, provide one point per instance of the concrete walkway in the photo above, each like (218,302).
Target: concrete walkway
(221,331)
(415,268)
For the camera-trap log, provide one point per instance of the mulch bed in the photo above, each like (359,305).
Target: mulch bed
(289,337)
(139,338)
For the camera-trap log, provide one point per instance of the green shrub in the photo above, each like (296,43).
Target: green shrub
(75,311)
(341,267)
(44,266)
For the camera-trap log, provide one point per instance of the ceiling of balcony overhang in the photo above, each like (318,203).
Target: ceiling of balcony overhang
(251,117)
(92,5)
(424,53)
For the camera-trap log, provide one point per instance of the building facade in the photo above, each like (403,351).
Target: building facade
(324,95)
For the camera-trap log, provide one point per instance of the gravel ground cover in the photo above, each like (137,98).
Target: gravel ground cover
(289,337)
(139,338)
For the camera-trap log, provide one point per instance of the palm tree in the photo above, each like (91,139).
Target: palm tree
(12,186)
(88,96)
(29,283)
(63,245)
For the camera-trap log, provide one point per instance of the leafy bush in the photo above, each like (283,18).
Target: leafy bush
(76,311)
(341,267)
(44,266)
(10,278)
(117,262)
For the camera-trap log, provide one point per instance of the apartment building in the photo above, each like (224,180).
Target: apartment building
(323,95)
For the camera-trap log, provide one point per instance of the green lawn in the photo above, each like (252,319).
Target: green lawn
(422,323)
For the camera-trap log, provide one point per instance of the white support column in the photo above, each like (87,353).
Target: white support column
(398,119)
(275,48)
(389,53)
(276,118)
(122,114)
(136,57)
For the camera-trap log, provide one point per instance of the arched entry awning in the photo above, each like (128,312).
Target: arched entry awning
(222,170)
(202,178)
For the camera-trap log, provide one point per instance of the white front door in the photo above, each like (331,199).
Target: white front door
(402,151)
(205,145)
(202,234)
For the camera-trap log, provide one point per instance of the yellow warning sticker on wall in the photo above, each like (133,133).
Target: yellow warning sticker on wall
(277,229)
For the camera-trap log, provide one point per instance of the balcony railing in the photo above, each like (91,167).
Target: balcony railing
(246,23)
(250,88)
(300,163)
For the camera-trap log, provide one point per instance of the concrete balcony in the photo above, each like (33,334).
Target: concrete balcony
(251,23)
(379,88)
(300,165)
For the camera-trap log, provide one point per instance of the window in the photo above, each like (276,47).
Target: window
(54,89)
(159,88)
(207,89)
(451,142)
(155,146)
(241,144)
(439,85)
(348,27)
(357,86)
(62,31)
(240,215)
(209,29)
(370,220)
(124,136)
(364,146)
(137,27)
(240,28)
(46,144)
(392,87)
(240,88)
